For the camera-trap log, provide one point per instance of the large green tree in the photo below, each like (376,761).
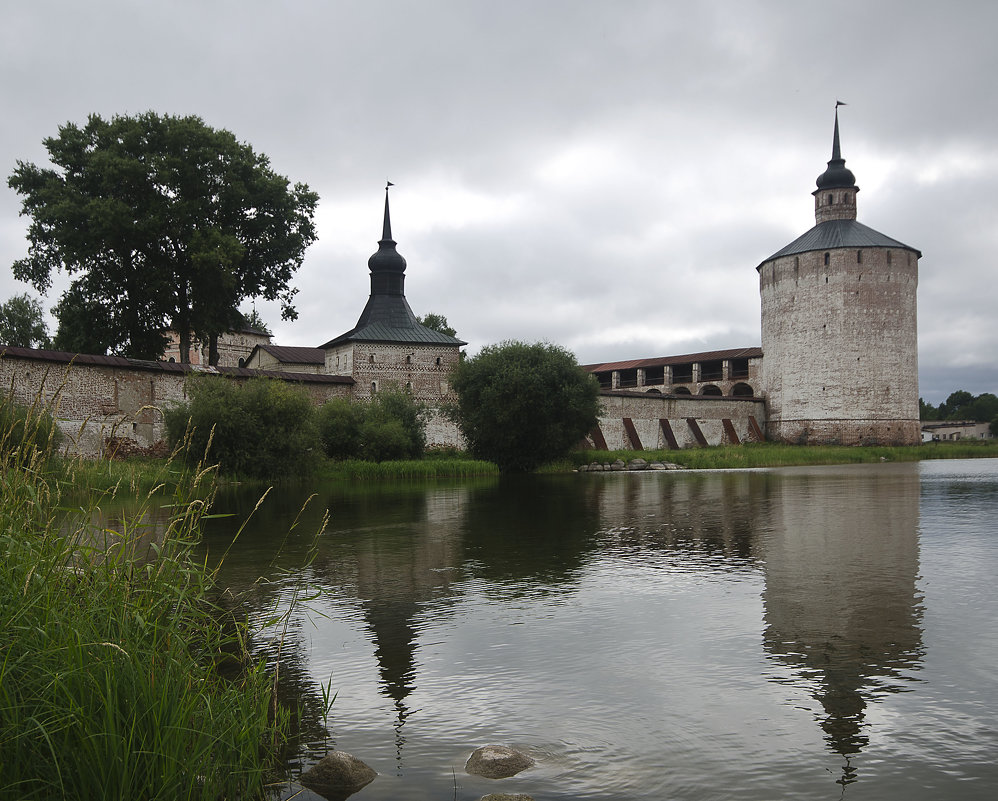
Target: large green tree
(521,405)
(22,322)
(164,222)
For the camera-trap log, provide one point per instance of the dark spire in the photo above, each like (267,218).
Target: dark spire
(387,259)
(386,231)
(837,175)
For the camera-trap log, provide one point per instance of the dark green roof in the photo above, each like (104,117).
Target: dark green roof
(839,234)
(388,318)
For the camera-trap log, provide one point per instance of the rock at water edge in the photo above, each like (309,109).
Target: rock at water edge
(338,775)
(497,762)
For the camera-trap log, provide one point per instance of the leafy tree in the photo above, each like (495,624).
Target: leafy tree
(84,325)
(22,322)
(438,323)
(259,428)
(950,409)
(389,414)
(926,411)
(339,423)
(391,425)
(983,408)
(521,405)
(254,320)
(164,222)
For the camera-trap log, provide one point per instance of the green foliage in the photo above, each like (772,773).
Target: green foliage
(521,405)
(22,323)
(390,413)
(26,432)
(926,411)
(163,222)
(254,320)
(260,429)
(437,322)
(339,423)
(389,426)
(86,326)
(962,405)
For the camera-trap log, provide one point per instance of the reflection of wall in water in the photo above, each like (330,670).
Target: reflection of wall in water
(713,513)
(840,599)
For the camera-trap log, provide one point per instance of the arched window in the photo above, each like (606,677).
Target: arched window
(828,257)
(711,391)
(681,391)
(742,390)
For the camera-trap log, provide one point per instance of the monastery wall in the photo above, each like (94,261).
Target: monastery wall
(647,421)
(98,398)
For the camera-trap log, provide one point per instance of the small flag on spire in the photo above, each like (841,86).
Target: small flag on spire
(389,184)
(839,103)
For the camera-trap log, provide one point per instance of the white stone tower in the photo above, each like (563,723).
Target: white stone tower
(839,334)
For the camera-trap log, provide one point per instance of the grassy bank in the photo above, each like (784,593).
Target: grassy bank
(111,668)
(770,454)
(357,470)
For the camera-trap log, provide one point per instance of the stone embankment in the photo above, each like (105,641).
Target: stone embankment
(620,466)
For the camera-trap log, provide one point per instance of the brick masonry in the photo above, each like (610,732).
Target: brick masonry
(840,345)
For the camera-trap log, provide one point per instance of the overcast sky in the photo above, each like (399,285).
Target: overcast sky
(602,175)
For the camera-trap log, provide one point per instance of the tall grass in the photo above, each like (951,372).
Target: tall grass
(112,659)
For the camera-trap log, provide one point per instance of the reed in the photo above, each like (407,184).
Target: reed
(112,650)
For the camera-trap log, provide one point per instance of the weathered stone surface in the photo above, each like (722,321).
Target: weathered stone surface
(337,776)
(497,762)
(619,465)
(507,797)
(637,464)
(657,466)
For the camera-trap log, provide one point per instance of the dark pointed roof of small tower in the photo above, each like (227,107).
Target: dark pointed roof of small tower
(387,258)
(836,175)
(387,316)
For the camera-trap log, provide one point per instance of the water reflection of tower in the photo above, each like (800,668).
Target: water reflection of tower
(399,573)
(841,607)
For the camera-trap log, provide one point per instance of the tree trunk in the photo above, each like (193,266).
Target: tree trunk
(213,350)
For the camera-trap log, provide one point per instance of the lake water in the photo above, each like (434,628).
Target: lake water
(824,632)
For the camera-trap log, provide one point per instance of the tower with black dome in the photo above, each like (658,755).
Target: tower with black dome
(839,331)
(389,348)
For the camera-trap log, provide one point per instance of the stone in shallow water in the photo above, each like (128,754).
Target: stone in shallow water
(338,775)
(497,762)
